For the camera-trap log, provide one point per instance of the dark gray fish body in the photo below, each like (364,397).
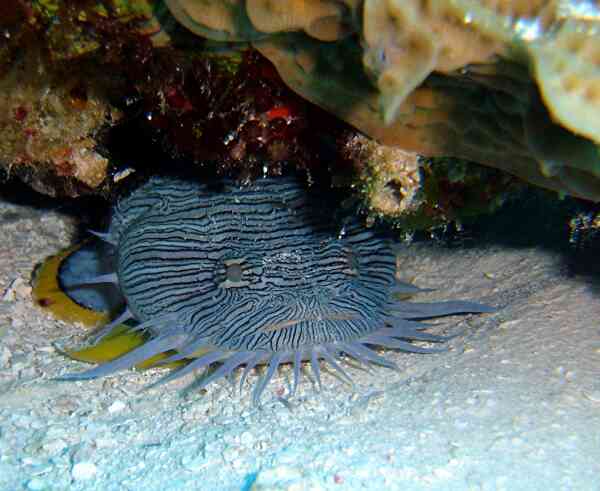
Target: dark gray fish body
(261,275)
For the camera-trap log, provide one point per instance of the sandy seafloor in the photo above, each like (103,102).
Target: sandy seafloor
(514,404)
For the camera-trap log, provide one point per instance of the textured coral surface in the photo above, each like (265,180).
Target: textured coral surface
(48,121)
(378,75)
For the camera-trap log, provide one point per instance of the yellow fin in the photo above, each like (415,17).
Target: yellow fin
(119,342)
(48,295)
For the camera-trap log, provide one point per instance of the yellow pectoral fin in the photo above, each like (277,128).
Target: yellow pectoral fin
(119,342)
(115,344)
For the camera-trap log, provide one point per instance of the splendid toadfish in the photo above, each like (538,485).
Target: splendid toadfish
(242,276)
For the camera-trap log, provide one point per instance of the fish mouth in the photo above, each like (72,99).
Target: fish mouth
(292,322)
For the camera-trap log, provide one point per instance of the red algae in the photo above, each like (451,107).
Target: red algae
(234,112)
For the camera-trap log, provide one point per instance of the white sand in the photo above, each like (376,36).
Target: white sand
(515,404)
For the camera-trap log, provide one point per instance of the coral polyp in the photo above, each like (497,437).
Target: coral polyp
(256,275)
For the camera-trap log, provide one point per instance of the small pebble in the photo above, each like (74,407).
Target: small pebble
(593,395)
(5,356)
(36,484)
(55,446)
(116,407)
(282,476)
(105,443)
(83,471)
(17,289)
(246,438)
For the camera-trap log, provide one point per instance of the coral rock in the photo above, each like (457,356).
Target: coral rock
(424,75)
(47,121)
(389,175)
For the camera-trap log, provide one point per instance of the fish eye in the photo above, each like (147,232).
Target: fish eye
(234,272)
(231,274)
